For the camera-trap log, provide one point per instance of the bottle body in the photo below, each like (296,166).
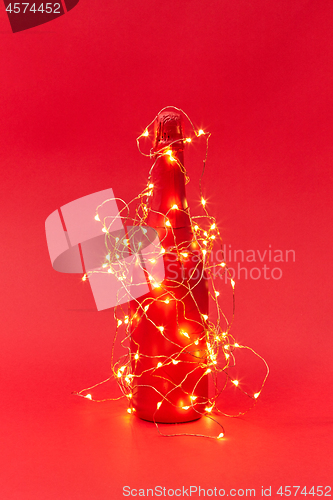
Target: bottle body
(168,344)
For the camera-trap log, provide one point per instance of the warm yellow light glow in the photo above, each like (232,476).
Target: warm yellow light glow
(104,230)
(161,328)
(126,320)
(130,395)
(205,233)
(204,252)
(196,227)
(232,283)
(88,396)
(217,293)
(203,202)
(151,186)
(212,237)
(184,254)
(209,409)
(174,207)
(84,277)
(146,308)
(119,322)
(136,356)
(185,334)
(236,345)
(129,410)
(167,301)
(104,265)
(220,436)
(159,364)
(162,250)
(205,242)
(196,342)
(186,407)
(213,226)
(200,132)
(205,317)
(145,133)
(97,218)
(227,356)
(159,404)
(168,223)
(226,346)
(193,398)
(175,362)
(188,139)
(235,382)
(207,371)
(222,264)
(256,395)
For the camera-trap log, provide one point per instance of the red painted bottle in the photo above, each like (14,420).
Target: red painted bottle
(168,344)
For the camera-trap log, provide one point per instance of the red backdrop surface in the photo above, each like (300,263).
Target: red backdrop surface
(75,93)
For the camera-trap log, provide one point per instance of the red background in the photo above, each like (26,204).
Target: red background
(75,93)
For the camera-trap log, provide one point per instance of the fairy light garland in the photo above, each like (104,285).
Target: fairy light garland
(220,345)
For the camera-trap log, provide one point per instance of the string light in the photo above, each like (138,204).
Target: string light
(216,342)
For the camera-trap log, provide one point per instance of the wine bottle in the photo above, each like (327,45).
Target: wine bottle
(168,344)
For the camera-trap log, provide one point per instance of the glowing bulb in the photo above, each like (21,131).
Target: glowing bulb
(167,301)
(152,261)
(200,132)
(161,328)
(188,139)
(104,230)
(205,317)
(196,227)
(104,265)
(203,202)
(150,186)
(184,254)
(175,362)
(226,346)
(88,396)
(193,398)
(186,407)
(174,207)
(168,223)
(232,283)
(212,237)
(209,409)
(159,404)
(97,218)
(222,264)
(236,345)
(146,308)
(235,382)
(130,395)
(256,395)
(213,226)
(84,277)
(196,342)
(159,364)
(126,320)
(217,293)
(227,356)
(119,322)
(145,133)
(162,250)
(185,334)
(207,371)
(220,435)
(205,233)
(129,410)
(136,356)
(204,252)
